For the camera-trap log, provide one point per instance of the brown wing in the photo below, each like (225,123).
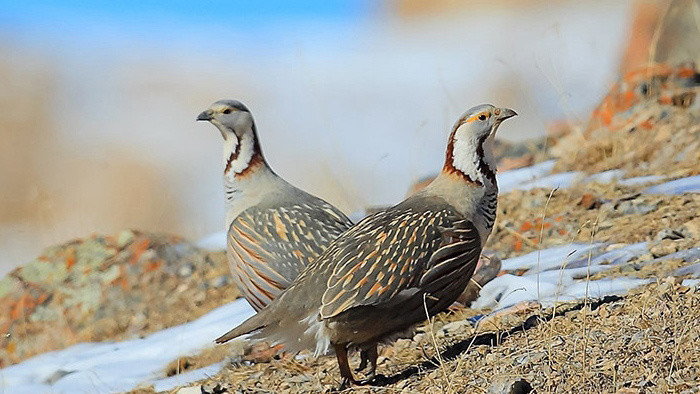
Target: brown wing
(269,247)
(394,251)
(454,261)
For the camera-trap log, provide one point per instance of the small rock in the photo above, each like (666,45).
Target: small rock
(558,341)
(450,329)
(530,357)
(418,337)
(215,388)
(299,379)
(589,201)
(627,390)
(633,207)
(148,255)
(190,390)
(614,247)
(668,233)
(220,281)
(186,270)
(124,238)
(510,386)
(663,248)
(692,228)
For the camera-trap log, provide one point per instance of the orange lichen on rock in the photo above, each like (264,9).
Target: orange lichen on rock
(92,289)
(655,83)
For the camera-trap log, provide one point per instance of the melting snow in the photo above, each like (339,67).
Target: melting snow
(121,366)
(559,274)
(690,184)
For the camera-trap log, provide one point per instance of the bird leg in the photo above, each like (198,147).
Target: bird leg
(341,353)
(368,354)
(363,360)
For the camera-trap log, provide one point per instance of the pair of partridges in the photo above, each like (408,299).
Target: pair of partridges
(317,281)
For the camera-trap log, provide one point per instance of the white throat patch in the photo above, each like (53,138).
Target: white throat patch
(465,159)
(468,158)
(244,149)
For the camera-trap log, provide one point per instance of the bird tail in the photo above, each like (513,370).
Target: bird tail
(253,323)
(284,321)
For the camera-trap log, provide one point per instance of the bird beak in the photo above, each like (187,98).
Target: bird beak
(506,113)
(205,115)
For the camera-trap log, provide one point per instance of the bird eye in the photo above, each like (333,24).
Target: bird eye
(482,117)
(227,111)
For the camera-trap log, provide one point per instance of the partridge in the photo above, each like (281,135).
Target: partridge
(396,267)
(274,228)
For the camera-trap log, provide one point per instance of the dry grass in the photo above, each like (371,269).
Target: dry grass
(586,349)
(204,358)
(621,214)
(670,147)
(646,342)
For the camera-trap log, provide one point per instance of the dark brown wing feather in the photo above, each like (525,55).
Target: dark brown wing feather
(395,251)
(458,255)
(269,247)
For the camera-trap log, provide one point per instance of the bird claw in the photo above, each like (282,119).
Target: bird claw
(346,383)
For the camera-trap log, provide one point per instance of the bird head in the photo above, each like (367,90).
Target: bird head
(230,117)
(481,122)
(469,148)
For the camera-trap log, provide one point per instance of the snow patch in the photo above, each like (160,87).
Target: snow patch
(560,274)
(690,184)
(121,366)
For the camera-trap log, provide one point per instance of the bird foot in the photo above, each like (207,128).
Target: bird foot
(346,383)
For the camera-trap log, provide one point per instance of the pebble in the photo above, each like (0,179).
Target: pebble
(186,270)
(529,357)
(663,248)
(124,238)
(633,207)
(450,329)
(692,228)
(220,281)
(671,234)
(190,390)
(216,388)
(510,386)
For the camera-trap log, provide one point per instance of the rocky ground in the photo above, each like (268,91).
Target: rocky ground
(113,288)
(644,342)
(107,288)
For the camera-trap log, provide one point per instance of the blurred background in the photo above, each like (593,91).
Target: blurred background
(353,99)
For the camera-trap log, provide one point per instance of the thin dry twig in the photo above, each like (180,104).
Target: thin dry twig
(443,367)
